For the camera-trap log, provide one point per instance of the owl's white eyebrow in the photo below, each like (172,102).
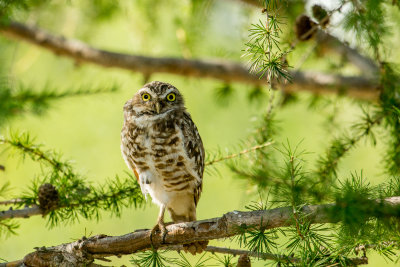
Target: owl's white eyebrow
(147,90)
(167,92)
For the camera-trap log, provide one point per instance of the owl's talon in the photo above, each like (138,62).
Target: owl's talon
(195,247)
(164,233)
(152,233)
(160,226)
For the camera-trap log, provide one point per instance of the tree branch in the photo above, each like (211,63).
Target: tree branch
(20,213)
(270,256)
(84,251)
(359,87)
(365,64)
(264,256)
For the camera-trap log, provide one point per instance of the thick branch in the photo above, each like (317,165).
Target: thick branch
(359,87)
(83,252)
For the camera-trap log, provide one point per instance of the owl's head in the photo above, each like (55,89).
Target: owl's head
(155,99)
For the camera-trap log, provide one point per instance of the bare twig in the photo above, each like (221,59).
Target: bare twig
(264,256)
(11,201)
(359,87)
(236,252)
(239,154)
(83,252)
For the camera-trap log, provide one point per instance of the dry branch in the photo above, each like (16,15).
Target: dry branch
(20,213)
(359,87)
(84,251)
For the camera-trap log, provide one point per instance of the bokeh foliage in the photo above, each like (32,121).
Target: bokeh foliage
(280,175)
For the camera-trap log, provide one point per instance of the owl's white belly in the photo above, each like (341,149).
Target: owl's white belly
(150,183)
(151,180)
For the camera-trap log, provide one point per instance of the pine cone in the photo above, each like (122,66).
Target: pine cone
(244,261)
(320,14)
(303,25)
(48,197)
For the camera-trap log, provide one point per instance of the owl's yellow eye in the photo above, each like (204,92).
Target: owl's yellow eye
(171,97)
(146,97)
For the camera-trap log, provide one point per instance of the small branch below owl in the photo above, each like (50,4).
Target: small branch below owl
(236,252)
(314,82)
(84,251)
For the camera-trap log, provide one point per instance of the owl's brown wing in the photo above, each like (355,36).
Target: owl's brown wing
(194,150)
(126,148)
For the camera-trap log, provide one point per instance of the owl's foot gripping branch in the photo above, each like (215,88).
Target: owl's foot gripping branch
(85,251)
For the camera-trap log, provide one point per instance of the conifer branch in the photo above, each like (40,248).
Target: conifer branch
(23,143)
(237,252)
(330,42)
(327,164)
(264,256)
(66,195)
(16,100)
(235,155)
(106,199)
(83,252)
(358,87)
(271,256)
(11,201)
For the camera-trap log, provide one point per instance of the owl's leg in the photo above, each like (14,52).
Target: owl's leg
(160,225)
(188,216)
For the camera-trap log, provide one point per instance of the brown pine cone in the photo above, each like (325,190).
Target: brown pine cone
(303,28)
(48,197)
(320,14)
(244,261)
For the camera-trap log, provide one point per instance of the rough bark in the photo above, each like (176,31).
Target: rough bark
(315,82)
(20,213)
(84,251)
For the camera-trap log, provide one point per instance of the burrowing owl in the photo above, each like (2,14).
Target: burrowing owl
(161,145)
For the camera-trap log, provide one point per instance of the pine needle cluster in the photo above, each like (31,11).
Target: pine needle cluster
(77,198)
(17,100)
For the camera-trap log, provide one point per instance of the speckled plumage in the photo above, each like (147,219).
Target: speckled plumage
(164,150)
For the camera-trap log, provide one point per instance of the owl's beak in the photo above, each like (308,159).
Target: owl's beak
(158,107)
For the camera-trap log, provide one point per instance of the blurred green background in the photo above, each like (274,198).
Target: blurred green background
(86,129)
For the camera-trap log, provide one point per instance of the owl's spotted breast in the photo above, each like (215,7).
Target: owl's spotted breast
(165,157)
